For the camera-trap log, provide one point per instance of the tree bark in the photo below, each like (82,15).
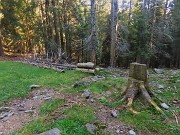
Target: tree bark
(1,46)
(86,70)
(114,20)
(93,32)
(67,31)
(55,24)
(88,65)
(138,84)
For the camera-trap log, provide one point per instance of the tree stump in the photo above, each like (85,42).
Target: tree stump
(138,84)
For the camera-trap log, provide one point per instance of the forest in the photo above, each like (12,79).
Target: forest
(108,33)
(83,67)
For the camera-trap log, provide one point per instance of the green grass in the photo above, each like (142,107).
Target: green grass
(74,122)
(15,79)
(76,118)
(50,106)
(35,127)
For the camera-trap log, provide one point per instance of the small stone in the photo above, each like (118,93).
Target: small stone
(3,109)
(47,98)
(177,81)
(97,78)
(158,71)
(91,128)
(114,113)
(117,131)
(92,100)
(175,102)
(34,86)
(54,131)
(161,86)
(159,91)
(86,93)
(80,83)
(164,105)
(153,83)
(28,111)
(114,76)
(131,132)
(3,115)
(21,109)
(36,97)
(94,79)
(8,116)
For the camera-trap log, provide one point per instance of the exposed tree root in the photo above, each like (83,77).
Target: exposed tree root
(138,85)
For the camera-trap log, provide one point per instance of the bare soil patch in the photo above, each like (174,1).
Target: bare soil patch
(23,111)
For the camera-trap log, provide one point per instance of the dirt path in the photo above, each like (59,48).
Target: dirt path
(22,111)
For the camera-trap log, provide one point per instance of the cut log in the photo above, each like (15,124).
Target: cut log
(88,65)
(86,70)
(138,84)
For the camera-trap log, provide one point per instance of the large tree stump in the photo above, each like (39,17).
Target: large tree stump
(138,84)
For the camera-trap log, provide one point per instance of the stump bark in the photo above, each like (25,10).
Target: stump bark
(138,84)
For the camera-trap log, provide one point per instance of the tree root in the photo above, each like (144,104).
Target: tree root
(134,88)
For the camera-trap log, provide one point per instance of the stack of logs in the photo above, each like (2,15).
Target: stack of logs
(88,67)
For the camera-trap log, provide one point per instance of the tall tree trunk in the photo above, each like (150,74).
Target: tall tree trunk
(114,20)
(165,12)
(61,34)
(47,24)
(44,28)
(130,7)
(67,31)
(1,47)
(93,32)
(56,24)
(153,23)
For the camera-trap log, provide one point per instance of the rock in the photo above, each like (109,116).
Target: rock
(28,111)
(80,83)
(92,100)
(3,115)
(47,98)
(153,83)
(119,131)
(177,81)
(159,91)
(114,76)
(164,105)
(114,113)
(34,86)
(131,132)
(4,109)
(36,97)
(158,71)
(86,94)
(174,101)
(54,131)
(161,86)
(6,115)
(97,78)
(91,128)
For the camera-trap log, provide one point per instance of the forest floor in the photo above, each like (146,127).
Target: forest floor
(61,102)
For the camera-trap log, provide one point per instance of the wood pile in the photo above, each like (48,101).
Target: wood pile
(88,67)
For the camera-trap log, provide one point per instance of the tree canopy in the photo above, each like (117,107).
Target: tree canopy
(106,32)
